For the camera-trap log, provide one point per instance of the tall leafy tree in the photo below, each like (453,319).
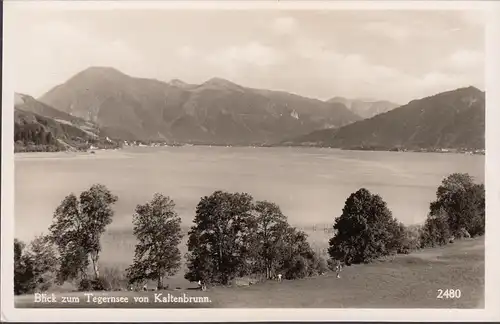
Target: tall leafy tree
(218,244)
(157,228)
(42,257)
(270,229)
(365,231)
(77,227)
(462,202)
(35,265)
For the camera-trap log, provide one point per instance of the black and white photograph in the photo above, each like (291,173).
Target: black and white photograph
(260,157)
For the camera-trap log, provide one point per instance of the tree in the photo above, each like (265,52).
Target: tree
(23,275)
(77,228)
(365,231)
(270,227)
(41,256)
(34,266)
(463,203)
(157,228)
(218,244)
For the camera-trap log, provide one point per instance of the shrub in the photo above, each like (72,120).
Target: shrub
(113,278)
(436,230)
(366,230)
(96,284)
(411,238)
(296,268)
(318,265)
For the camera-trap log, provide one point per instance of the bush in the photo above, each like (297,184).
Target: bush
(436,230)
(98,284)
(296,268)
(366,230)
(318,265)
(113,278)
(411,238)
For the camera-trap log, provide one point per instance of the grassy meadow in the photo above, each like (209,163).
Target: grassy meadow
(406,281)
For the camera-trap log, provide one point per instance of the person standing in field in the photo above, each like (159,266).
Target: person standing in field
(338,268)
(279,277)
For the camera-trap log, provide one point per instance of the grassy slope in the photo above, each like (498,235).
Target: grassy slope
(407,281)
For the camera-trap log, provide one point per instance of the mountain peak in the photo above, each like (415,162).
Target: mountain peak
(180,84)
(221,83)
(101,72)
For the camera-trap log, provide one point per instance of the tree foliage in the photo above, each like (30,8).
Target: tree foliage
(35,266)
(270,228)
(234,236)
(157,228)
(458,211)
(218,243)
(76,230)
(365,231)
(436,230)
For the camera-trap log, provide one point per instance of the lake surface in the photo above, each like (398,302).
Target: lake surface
(310,184)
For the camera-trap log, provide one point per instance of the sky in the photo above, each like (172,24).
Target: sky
(372,54)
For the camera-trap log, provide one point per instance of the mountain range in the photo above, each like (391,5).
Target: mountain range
(452,119)
(365,108)
(215,112)
(105,106)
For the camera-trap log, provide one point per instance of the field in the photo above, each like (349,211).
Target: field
(407,281)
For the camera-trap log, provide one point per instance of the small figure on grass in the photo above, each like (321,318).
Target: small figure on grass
(338,269)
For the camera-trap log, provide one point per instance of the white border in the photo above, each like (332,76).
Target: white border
(492,240)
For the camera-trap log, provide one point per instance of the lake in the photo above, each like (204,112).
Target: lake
(309,184)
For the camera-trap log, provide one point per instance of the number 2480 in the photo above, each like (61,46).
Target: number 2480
(449,294)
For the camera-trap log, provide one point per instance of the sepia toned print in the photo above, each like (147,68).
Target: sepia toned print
(330,159)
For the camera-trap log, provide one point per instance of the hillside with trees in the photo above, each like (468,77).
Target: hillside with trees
(41,128)
(448,120)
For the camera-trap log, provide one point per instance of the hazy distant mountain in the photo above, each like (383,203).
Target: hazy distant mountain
(217,111)
(39,127)
(452,119)
(366,108)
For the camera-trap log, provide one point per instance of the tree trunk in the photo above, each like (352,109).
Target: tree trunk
(159,284)
(95,264)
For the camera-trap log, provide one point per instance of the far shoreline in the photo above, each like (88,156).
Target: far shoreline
(95,151)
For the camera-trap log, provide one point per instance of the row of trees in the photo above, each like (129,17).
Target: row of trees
(367,230)
(234,236)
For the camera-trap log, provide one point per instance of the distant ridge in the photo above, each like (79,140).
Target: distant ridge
(217,111)
(364,107)
(451,119)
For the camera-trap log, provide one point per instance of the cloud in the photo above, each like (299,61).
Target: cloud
(284,25)
(186,52)
(387,29)
(466,59)
(64,50)
(347,73)
(474,17)
(252,54)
